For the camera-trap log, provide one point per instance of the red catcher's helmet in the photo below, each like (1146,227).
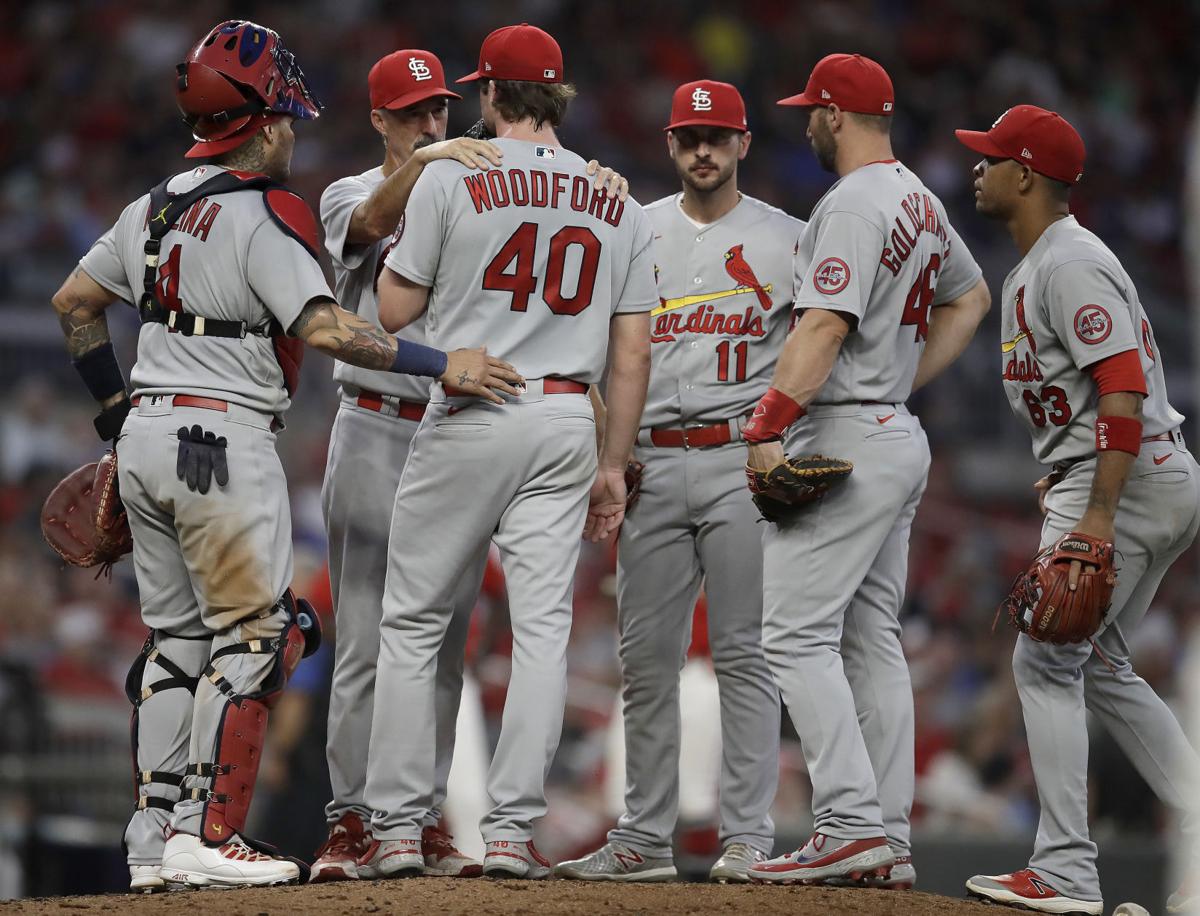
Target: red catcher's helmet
(234,81)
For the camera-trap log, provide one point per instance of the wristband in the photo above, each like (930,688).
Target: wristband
(417,359)
(774,413)
(100,372)
(1122,434)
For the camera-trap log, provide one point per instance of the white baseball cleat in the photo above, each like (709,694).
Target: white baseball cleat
(337,859)
(824,858)
(188,861)
(514,859)
(144,879)
(1029,890)
(392,859)
(734,864)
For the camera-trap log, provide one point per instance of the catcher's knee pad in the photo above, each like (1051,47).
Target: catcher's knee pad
(242,731)
(181,659)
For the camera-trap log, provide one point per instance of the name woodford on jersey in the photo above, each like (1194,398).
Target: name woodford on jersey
(499,188)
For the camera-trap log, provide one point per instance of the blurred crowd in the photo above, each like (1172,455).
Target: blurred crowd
(87,123)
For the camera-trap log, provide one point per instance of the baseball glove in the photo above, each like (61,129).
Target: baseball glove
(633,484)
(783,491)
(1041,603)
(83,518)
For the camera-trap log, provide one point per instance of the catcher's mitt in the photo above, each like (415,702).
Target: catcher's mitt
(83,518)
(633,484)
(783,491)
(1041,603)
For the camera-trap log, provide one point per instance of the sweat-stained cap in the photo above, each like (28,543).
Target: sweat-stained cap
(404,78)
(519,52)
(1043,140)
(850,81)
(707,103)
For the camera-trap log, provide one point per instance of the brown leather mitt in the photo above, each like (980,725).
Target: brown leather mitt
(83,518)
(783,491)
(633,484)
(1041,603)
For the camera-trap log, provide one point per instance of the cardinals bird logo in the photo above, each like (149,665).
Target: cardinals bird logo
(739,270)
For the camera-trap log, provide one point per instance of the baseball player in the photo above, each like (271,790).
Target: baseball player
(724,263)
(221,259)
(563,276)
(887,296)
(1083,373)
(363,217)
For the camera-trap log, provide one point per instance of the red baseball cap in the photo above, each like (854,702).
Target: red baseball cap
(707,102)
(850,81)
(1040,139)
(404,78)
(519,52)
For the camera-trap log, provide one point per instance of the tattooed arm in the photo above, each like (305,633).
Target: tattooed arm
(80,303)
(328,327)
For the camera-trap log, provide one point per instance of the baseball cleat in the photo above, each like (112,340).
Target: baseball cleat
(145,879)
(392,859)
(442,858)
(189,862)
(514,859)
(735,861)
(825,857)
(337,859)
(616,862)
(1186,899)
(901,878)
(1026,888)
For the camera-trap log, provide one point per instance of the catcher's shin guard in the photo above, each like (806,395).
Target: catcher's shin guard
(243,727)
(166,671)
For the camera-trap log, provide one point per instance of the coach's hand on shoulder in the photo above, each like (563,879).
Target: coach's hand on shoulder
(606,504)
(474,372)
(474,154)
(616,184)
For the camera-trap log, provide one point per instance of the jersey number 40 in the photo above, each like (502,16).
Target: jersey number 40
(521,248)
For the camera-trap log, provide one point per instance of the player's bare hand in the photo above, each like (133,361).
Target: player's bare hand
(616,184)
(474,372)
(765,455)
(606,504)
(1097,524)
(474,154)
(1044,486)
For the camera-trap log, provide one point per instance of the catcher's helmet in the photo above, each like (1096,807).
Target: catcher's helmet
(236,79)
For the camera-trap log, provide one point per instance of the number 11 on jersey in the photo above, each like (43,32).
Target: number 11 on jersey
(740,354)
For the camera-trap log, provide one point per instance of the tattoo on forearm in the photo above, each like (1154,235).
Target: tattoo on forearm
(345,336)
(84,327)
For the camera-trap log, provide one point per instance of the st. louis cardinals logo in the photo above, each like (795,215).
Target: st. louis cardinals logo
(1023,332)
(1092,324)
(420,70)
(701,100)
(1026,367)
(831,276)
(706,320)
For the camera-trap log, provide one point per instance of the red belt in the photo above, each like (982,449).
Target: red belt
(406,410)
(692,437)
(190,400)
(550,385)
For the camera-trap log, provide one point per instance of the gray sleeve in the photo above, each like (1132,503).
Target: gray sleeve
(640,293)
(338,204)
(1089,312)
(958,272)
(103,261)
(841,274)
(282,274)
(419,251)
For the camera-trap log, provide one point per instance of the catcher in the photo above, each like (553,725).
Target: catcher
(1083,373)
(221,259)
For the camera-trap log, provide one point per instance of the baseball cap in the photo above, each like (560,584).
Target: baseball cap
(404,78)
(850,81)
(519,52)
(707,102)
(1040,139)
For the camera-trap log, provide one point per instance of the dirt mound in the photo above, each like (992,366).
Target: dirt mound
(428,896)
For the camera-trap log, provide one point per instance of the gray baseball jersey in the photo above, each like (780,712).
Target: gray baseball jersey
(725,295)
(225,258)
(356,281)
(880,249)
(1067,305)
(543,297)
